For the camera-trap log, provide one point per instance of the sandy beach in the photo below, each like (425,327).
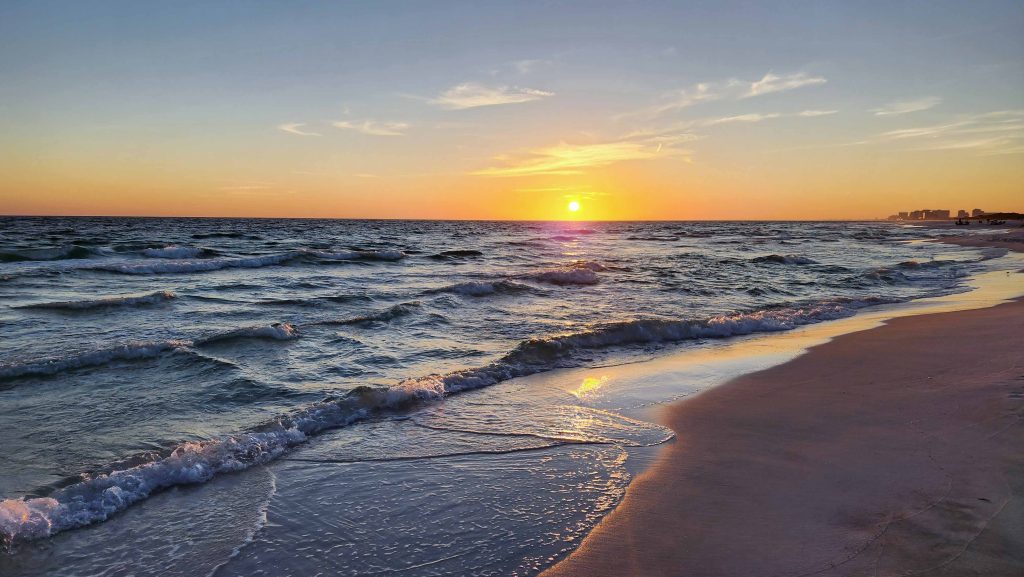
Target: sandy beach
(892,451)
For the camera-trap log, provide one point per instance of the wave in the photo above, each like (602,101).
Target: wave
(122,301)
(274,331)
(187,266)
(388,314)
(59,253)
(175,252)
(173,264)
(137,350)
(97,497)
(385,255)
(52,366)
(913,264)
(455,254)
(568,276)
(484,288)
(653,238)
(784,259)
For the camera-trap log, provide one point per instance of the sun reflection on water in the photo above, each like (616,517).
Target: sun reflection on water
(591,386)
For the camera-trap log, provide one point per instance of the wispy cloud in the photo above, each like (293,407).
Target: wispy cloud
(998,132)
(743,118)
(731,89)
(373,127)
(570,159)
(770,83)
(813,113)
(293,128)
(566,158)
(473,95)
(907,106)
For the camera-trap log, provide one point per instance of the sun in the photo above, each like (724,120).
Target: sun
(574,206)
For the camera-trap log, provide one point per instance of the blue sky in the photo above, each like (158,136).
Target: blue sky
(272,94)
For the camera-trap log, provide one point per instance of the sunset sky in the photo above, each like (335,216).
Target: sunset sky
(509,110)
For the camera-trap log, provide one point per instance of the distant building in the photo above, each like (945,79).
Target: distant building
(962,213)
(936,214)
(977,212)
(916,215)
(903,215)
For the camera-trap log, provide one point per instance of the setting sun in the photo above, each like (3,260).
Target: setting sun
(574,206)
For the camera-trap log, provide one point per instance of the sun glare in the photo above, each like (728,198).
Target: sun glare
(574,206)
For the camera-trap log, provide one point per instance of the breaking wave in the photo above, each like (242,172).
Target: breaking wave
(99,496)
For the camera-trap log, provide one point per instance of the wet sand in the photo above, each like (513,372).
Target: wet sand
(891,451)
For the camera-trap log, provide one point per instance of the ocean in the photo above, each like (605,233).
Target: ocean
(288,397)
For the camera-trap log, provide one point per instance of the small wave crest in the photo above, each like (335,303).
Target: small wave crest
(129,351)
(119,301)
(188,266)
(173,251)
(58,253)
(569,276)
(388,314)
(455,254)
(784,259)
(274,331)
(385,255)
(484,288)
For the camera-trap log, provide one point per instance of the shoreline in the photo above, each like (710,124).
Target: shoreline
(848,477)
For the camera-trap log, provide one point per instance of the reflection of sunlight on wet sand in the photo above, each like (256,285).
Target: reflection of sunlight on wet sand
(590,386)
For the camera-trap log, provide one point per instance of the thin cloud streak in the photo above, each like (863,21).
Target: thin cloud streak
(907,106)
(565,159)
(731,89)
(293,128)
(473,95)
(815,113)
(373,127)
(998,132)
(774,83)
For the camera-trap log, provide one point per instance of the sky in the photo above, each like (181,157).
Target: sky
(511,110)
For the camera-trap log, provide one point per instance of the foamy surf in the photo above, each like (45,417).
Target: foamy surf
(98,497)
